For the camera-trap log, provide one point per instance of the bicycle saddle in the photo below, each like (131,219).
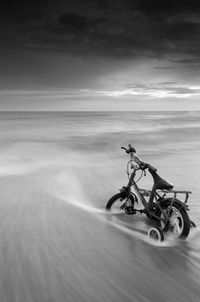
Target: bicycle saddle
(160,183)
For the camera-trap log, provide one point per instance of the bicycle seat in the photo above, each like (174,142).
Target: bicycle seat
(160,183)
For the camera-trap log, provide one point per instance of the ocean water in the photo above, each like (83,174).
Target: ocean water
(57,171)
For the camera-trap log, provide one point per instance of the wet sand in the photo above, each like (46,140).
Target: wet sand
(57,171)
(53,251)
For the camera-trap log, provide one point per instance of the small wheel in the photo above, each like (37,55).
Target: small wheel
(156,234)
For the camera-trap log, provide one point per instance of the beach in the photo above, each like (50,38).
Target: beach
(57,172)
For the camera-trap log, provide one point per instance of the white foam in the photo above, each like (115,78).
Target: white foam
(73,195)
(168,242)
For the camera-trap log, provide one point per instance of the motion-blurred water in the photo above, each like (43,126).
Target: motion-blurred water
(57,172)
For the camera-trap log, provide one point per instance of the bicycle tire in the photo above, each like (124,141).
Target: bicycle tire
(178,218)
(156,234)
(119,196)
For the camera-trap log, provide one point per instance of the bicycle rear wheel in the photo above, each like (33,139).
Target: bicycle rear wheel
(179,223)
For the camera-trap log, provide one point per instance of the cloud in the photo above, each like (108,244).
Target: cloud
(158,91)
(76,22)
(164,67)
(140,96)
(104,28)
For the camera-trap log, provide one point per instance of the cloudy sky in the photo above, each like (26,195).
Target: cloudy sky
(100,55)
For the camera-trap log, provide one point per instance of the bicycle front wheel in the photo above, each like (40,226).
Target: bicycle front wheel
(117,203)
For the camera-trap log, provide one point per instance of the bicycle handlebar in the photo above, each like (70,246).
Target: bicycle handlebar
(130,149)
(141,164)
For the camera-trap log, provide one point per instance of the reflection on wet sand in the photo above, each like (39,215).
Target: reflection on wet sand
(56,242)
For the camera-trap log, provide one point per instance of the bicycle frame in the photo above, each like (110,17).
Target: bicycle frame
(153,196)
(166,211)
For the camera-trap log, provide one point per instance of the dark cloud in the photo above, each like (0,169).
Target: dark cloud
(22,10)
(167,83)
(183,90)
(104,27)
(168,7)
(165,67)
(76,22)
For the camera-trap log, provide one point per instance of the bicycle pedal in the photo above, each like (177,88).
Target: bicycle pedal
(130,210)
(142,211)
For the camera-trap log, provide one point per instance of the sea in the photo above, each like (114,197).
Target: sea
(57,172)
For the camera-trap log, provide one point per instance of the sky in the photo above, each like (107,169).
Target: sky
(100,55)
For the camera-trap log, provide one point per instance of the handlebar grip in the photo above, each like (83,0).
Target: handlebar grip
(152,168)
(130,149)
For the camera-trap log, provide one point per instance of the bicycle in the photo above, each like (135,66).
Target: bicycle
(169,214)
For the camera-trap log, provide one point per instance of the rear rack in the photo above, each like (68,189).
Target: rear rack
(175,192)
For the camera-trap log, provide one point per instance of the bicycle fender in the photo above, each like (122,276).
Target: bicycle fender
(135,197)
(125,193)
(181,203)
